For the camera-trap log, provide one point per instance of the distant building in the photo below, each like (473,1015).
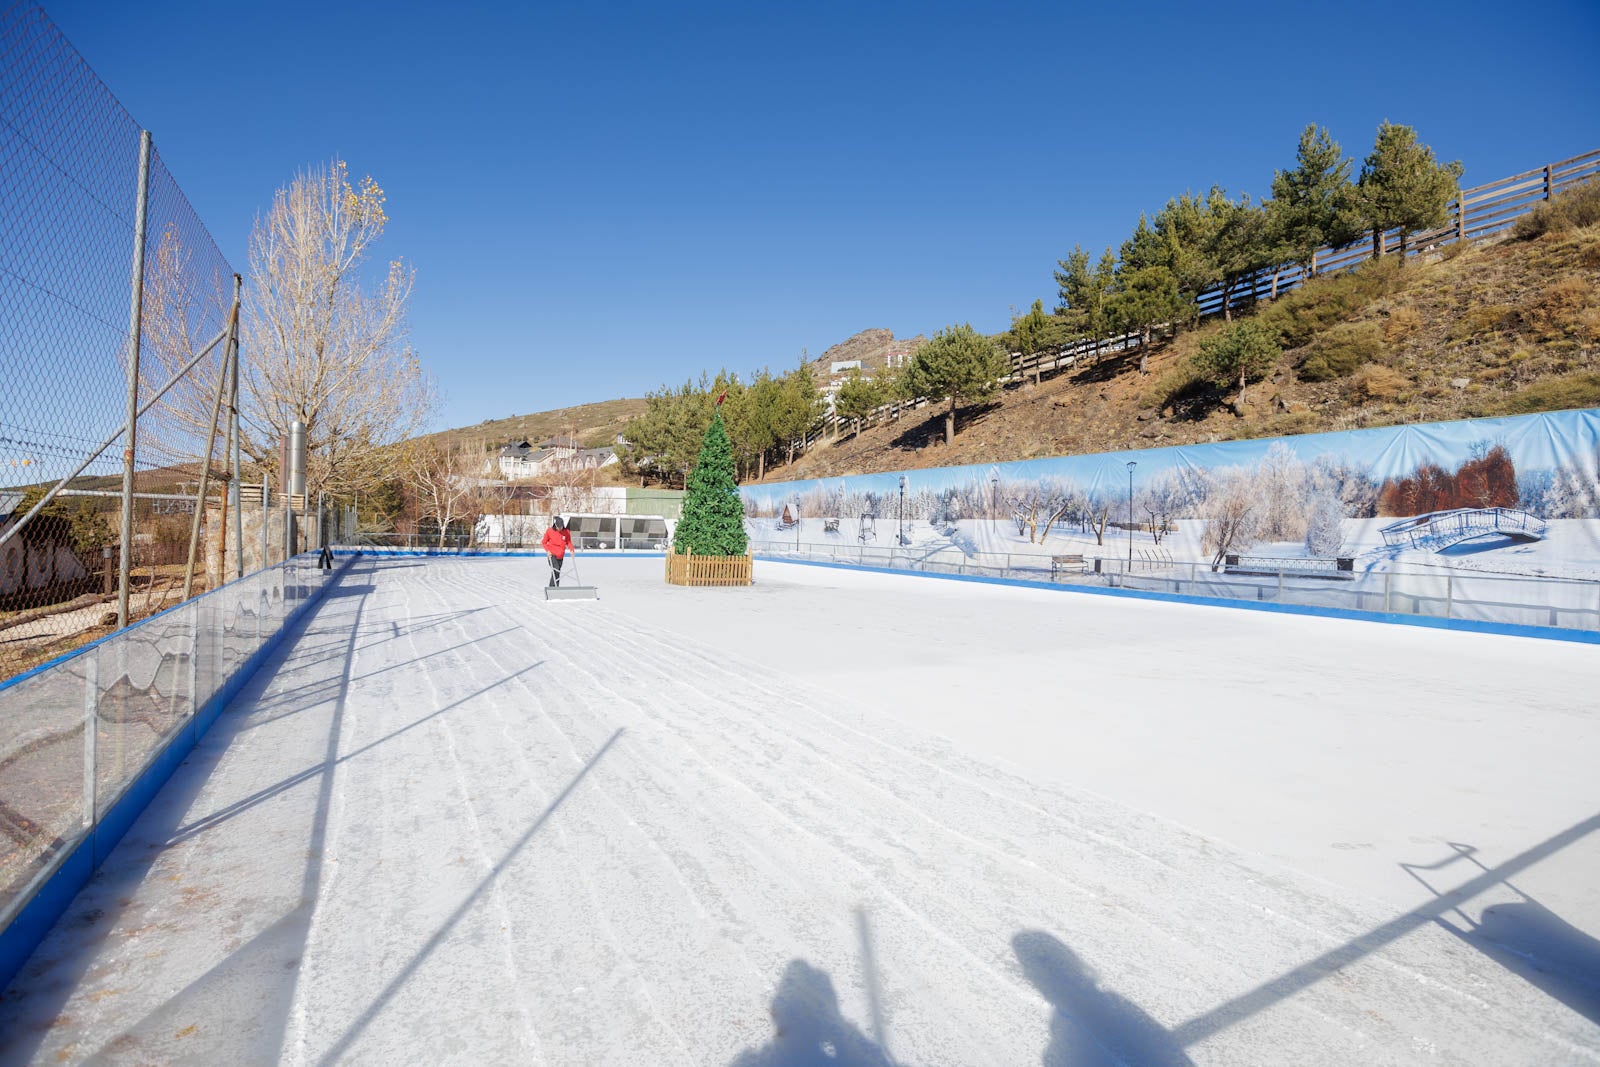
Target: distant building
(521,460)
(843,365)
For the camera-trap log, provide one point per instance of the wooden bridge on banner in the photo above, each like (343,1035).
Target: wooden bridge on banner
(1439,530)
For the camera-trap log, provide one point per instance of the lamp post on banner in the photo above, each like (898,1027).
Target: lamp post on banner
(1132,463)
(994,500)
(900,536)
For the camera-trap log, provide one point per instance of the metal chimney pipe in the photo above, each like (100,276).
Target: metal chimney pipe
(297,458)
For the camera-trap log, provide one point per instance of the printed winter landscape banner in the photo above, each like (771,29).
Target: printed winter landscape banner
(1458,502)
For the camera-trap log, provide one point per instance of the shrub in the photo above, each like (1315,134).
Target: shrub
(1247,349)
(1179,382)
(1589,251)
(1555,394)
(1401,324)
(1570,210)
(1558,306)
(1486,318)
(1337,353)
(1300,315)
(1377,382)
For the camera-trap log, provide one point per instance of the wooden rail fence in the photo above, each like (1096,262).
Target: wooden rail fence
(689,569)
(1479,212)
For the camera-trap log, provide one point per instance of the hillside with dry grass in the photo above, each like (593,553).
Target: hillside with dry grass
(1503,327)
(1507,327)
(594,425)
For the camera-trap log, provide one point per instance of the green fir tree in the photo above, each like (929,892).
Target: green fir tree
(713,512)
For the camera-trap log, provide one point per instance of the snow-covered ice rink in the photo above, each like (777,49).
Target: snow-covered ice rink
(851,819)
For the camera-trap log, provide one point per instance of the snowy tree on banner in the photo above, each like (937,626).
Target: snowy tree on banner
(713,515)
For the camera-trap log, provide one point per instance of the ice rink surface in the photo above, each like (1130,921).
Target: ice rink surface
(851,819)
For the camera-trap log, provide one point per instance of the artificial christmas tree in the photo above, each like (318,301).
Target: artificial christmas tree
(710,546)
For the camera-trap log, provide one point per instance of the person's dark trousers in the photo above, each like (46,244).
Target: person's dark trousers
(325,559)
(555,570)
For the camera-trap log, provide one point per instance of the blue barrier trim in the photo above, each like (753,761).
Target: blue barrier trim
(1504,629)
(52,899)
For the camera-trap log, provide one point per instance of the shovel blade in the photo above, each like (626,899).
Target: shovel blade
(572,592)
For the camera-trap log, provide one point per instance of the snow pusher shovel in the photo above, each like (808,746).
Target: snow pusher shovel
(571,592)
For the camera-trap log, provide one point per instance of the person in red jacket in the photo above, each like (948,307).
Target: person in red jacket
(557,542)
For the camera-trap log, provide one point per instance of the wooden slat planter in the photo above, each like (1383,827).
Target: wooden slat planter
(689,569)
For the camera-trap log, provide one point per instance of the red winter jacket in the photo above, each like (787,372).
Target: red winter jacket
(556,542)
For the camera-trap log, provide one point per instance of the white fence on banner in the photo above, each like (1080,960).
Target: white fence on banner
(1506,599)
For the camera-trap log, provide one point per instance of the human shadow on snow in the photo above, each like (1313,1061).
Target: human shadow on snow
(808,1030)
(1091,1024)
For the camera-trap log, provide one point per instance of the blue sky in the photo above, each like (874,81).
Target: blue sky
(599,199)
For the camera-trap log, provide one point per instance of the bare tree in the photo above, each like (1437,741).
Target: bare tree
(1231,518)
(1097,514)
(1070,501)
(321,348)
(1280,487)
(1162,498)
(183,310)
(1324,522)
(444,483)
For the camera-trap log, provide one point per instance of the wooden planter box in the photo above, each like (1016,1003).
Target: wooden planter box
(688,569)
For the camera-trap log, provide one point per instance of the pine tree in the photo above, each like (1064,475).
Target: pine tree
(1145,298)
(1313,205)
(713,513)
(1402,187)
(1240,352)
(958,363)
(858,397)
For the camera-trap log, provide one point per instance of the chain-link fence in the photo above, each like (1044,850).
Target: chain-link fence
(96,235)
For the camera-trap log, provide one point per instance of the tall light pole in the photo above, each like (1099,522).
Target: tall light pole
(1132,463)
(994,499)
(900,538)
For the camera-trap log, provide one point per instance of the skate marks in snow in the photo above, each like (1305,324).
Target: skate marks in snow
(999,853)
(702,897)
(371,1011)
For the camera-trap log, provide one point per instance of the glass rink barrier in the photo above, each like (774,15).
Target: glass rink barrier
(1445,593)
(77,733)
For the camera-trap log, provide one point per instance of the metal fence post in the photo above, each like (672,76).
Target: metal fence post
(1387,575)
(135,317)
(1449,594)
(266,521)
(233,456)
(1280,586)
